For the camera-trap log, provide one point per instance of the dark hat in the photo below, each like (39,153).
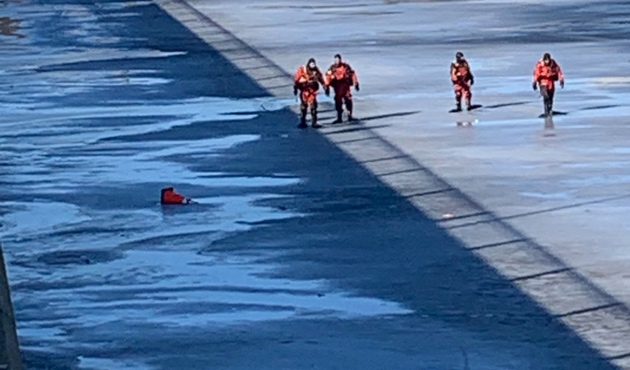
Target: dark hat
(459,54)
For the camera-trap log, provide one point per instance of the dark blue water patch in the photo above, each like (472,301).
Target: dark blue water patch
(199,72)
(79,257)
(209,308)
(103,295)
(250,113)
(52,361)
(106,196)
(76,231)
(118,121)
(59,25)
(200,130)
(65,258)
(92,230)
(174,239)
(33,135)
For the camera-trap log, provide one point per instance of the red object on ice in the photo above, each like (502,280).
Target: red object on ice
(170,196)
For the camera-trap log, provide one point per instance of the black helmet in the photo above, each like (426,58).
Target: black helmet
(459,54)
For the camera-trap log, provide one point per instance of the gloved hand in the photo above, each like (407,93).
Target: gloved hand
(295,90)
(472,81)
(356,87)
(534,86)
(562,84)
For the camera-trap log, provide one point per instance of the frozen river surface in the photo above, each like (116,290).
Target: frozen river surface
(294,257)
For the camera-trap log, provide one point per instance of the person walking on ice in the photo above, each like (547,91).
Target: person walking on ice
(462,79)
(342,78)
(546,73)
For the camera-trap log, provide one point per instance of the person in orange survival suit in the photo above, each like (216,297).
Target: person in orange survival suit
(462,79)
(342,77)
(546,73)
(307,80)
(170,196)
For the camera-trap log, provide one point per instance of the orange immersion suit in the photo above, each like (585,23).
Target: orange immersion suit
(307,81)
(545,77)
(341,77)
(462,79)
(170,196)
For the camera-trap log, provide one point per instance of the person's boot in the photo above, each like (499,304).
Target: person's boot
(458,107)
(349,106)
(468,105)
(303,124)
(339,118)
(314,123)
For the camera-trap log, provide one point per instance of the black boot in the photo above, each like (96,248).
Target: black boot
(303,124)
(314,123)
(302,118)
(349,107)
(458,107)
(339,119)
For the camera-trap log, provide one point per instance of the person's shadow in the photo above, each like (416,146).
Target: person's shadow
(554,113)
(471,108)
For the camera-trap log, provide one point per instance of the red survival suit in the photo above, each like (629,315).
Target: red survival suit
(307,80)
(546,73)
(170,196)
(342,77)
(462,79)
